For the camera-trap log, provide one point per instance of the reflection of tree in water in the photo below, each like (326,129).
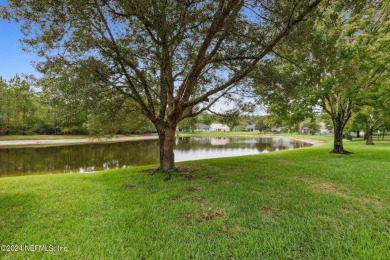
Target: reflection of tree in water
(77,158)
(95,157)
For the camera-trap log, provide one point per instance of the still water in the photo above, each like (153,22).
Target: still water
(96,157)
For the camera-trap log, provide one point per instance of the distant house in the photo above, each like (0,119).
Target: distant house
(306,130)
(250,128)
(323,129)
(216,127)
(202,128)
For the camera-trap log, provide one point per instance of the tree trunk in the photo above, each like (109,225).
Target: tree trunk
(340,111)
(369,140)
(358,134)
(167,142)
(338,139)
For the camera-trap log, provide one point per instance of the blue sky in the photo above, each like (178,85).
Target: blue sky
(12,59)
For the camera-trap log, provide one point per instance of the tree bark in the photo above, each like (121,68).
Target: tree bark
(369,140)
(358,134)
(338,138)
(340,111)
(167,143)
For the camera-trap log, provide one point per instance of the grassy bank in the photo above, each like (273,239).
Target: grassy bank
(303,203)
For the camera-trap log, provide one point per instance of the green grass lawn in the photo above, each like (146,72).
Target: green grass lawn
(298,204)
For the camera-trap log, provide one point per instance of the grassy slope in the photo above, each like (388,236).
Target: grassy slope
(304,203)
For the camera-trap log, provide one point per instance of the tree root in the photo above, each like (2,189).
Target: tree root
(340,151)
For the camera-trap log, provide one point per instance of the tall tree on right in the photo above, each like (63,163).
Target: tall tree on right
(335,66)
(375,114)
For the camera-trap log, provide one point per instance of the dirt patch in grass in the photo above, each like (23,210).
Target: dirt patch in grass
(194,189)
(318,186)
(269,213)
(184,171)
(168,178)
(191,171)
(347,211)
(207,215)
(211,214)
(232,170)
(266,213)
(187,170)
(177,197)
(332,223)
(205,212)
(329,187)
(149,171)
(188,176)
(187,217)
(188,167)
(370,201)
(130,186)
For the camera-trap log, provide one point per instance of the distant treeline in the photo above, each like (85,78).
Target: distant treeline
(27,110)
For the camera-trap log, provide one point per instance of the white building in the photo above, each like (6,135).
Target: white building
(250,128)
(216,127)
(323,129)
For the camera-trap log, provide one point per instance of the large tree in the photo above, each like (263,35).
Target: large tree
(375,114)
(333,66)
(174,59)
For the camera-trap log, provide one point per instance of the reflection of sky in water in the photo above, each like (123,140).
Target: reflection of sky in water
(96,157)
(212,153)
(222,147)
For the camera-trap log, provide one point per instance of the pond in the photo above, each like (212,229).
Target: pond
(92,157)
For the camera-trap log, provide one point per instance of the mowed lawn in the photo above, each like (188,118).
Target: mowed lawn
(297,204)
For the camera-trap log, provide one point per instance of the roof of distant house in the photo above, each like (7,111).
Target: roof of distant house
(218,125)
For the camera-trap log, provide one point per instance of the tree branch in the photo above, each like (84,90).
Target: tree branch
(245,71)
(149,111)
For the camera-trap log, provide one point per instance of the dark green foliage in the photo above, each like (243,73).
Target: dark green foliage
(56,108)
(336,65)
